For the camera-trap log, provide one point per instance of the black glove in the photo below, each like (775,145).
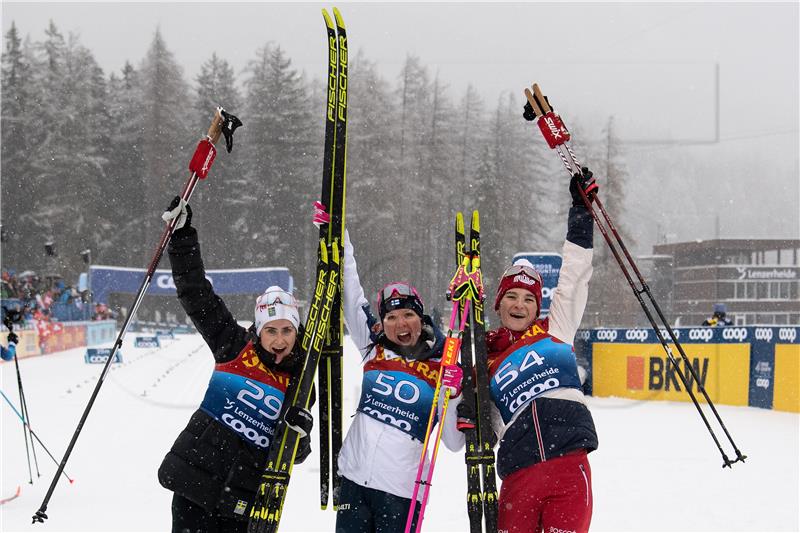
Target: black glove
(466,415)
(12,338)
(303,450)
(527,112)
(299,419)
(178,209)
(587,182)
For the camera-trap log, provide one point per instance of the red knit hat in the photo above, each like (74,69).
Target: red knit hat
(521,275)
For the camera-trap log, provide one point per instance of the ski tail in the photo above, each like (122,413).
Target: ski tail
(12,497)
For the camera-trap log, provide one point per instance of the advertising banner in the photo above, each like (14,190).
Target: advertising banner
(755,366)
(146,342)
(100,355)
(549,266)
(108,279)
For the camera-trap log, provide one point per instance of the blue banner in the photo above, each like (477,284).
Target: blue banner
(108,279)
(549,266)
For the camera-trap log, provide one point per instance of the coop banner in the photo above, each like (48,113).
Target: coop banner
(756,366)
(106,280)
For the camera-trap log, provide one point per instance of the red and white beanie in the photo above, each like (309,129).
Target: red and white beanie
(520,275)
(276,304)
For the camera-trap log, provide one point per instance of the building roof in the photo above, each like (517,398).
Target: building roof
(737,245)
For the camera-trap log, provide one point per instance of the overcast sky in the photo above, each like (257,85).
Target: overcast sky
(650,65)
(654,60)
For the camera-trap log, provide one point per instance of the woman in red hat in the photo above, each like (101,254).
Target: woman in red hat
(541,418)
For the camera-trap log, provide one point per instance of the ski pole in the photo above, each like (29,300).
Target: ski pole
(222,124)
(33,434)
(464,287)
(557,136)
(24,407)
(10,325)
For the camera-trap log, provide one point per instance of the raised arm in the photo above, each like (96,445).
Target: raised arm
(208,312)
(356,306)
(572,292)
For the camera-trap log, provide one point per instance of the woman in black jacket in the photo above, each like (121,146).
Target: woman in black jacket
(214,467)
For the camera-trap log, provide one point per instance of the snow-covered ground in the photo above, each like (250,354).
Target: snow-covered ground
(657,468)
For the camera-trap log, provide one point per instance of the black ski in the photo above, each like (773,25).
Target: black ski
(266,511)
(476,401)
(335,161)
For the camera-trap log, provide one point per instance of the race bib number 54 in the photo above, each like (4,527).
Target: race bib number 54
(530,370)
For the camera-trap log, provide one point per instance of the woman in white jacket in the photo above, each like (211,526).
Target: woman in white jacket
(381,452)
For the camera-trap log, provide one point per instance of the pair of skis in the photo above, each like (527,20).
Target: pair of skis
(476,401)
(557,137)
(466,293)
(323,326)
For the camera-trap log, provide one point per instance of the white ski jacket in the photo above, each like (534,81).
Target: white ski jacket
(375,454)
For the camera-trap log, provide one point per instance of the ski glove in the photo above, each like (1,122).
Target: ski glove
(321,215)
(451,378)
(179,209)
(299,420)
(584,179)
(12,338)
(466,415)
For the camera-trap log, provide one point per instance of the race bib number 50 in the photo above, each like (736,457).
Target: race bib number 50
(398,399)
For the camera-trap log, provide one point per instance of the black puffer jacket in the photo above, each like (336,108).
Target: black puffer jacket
(209,464)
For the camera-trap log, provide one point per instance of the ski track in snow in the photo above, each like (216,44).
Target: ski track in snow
(657,468)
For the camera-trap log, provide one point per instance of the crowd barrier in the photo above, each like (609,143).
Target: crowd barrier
(68,335)
(755,366)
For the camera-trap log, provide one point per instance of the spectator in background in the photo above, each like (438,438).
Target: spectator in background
(6,290)
(7,354)
(718,318)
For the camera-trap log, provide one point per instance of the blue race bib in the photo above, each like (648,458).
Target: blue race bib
(528,369)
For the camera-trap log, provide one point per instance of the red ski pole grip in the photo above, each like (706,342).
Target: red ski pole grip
(553,129)
(203,158)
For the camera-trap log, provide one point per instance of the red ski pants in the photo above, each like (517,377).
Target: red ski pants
(551,497)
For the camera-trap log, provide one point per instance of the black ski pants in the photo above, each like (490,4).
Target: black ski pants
(365,510)
(188,517)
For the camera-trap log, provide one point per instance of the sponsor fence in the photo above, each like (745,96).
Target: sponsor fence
(67,336)
(755,366)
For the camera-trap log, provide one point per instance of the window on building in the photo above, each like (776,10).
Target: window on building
(725,291)
(764,318)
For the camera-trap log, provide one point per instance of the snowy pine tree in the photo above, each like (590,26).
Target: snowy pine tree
(167,140)
(17,193)
(219,198)
(283,158)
